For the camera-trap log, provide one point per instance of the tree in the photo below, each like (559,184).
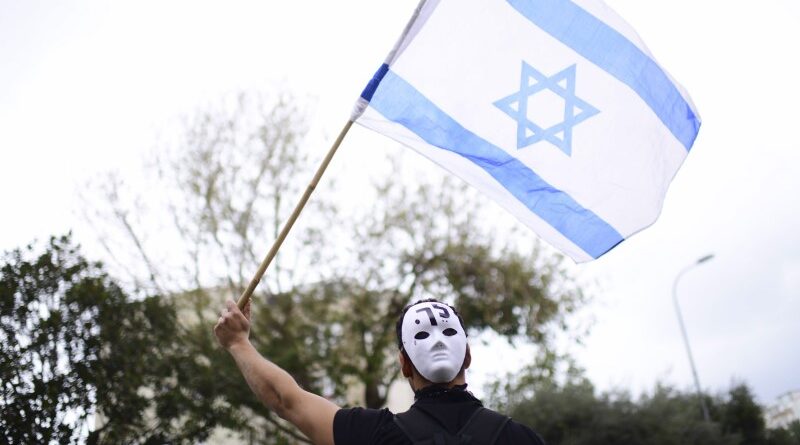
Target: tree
(742,415)
(76,348)
(326,309)
(574,414)
(785,436)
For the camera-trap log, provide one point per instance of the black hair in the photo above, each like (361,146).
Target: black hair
(399,323)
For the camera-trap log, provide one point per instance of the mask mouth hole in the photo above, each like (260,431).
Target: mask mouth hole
(450,332)
(422,335)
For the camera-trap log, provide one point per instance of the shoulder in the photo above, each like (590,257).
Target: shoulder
(350,420)
(512,432)
(353,426)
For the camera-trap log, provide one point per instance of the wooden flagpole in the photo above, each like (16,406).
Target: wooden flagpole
(245,297)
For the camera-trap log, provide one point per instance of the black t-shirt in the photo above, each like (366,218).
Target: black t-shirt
(362,426)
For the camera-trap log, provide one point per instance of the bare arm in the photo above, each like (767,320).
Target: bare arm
(274,387)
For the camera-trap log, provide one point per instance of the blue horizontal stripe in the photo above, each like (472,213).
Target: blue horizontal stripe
(611,51)
(400,102)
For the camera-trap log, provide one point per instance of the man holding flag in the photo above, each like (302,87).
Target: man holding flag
(556,110)
(434,356)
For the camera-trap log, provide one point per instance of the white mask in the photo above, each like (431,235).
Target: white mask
(434,340)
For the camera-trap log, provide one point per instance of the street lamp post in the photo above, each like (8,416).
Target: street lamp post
(686,338)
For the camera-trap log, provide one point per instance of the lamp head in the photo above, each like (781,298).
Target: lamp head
(705,258)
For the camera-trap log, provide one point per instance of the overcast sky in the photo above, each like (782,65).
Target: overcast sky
(86,86)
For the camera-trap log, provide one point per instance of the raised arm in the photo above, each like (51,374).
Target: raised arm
(274,387)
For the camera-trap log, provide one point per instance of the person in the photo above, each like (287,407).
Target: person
(433,356)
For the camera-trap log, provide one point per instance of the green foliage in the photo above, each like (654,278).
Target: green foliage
(743,416)
(84,362)
(574,414)
(785,436)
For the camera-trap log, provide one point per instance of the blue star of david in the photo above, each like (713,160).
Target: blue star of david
(562,84)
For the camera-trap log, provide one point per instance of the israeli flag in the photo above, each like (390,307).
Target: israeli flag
(555,109)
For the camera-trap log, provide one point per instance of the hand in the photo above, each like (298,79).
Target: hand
(233,326)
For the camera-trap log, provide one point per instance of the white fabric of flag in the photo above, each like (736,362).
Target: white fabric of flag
(555,109)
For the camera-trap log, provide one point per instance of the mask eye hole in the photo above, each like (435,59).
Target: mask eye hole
(450,332)
(422,335)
